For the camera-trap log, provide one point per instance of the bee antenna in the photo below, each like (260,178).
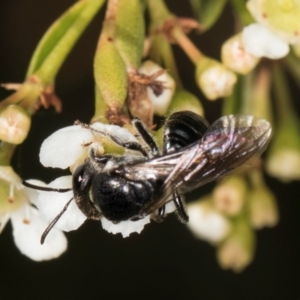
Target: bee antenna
(50,226)
(43,188)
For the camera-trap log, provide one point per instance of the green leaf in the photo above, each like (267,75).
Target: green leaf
(242,12)
(60,38)
(207,11)
(130,31)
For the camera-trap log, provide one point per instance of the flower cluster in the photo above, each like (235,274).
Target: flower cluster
(227,218)
(18,204)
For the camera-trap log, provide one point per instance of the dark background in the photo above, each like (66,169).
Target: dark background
(165,260)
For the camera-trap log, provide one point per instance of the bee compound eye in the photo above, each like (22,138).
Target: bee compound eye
(80,178)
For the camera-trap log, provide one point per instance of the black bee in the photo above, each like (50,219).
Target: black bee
(194,153)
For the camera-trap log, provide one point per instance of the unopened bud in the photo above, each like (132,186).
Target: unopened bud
(283,160)
(214,79)
(184,100)
(229,195)
(206,222)
(110,74)
(14,124)
(263,210)
(236,252)
(236,58)
(130,30)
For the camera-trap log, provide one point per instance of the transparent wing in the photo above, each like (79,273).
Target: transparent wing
(228,144)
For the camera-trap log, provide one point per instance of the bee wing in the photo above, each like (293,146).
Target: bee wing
(228,144)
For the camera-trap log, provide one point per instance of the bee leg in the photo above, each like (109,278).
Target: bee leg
(146,136)
(180,206)
(159,216)
(128,145)
(100,159)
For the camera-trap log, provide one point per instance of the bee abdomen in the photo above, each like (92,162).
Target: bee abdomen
(182,129)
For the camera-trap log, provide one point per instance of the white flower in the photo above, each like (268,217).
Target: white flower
(27,223)
(56,152)
(206,222)
(67,146)
(261,42)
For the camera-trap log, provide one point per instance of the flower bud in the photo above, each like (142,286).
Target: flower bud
(236,252)
(236,58)
(14,124)
(281,17)
(184,100)
(263,211)
(206,222)
(261,42)
(110,73)
(160,102)
(229,195)
(283,160)
(214,79)
(130,30)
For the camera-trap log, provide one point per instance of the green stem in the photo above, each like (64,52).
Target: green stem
(247,94)
(242,12)
(188,47)
(169,61)
(6,153)
(159,12)
(282,95)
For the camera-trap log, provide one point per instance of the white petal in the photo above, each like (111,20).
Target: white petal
(50,204)
(27,230)
(65,146)
(260,41)
(32,194)
(8,174)
(125,227)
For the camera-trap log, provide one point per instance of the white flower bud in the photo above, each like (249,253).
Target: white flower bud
(206,222)
(284,164)
(229,196)
(263,210)
(236,252)
(214,79)
(236,58)
(14,124)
